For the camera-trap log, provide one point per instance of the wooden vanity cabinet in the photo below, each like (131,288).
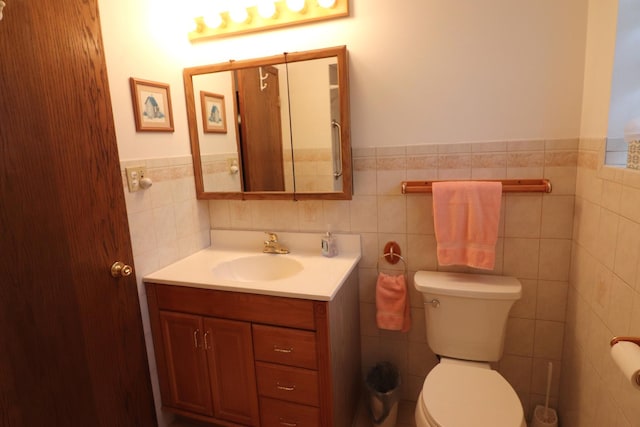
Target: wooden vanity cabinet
(239,359)
(209,363)
(186,362)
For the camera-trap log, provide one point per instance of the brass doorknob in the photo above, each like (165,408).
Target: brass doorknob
(120,269)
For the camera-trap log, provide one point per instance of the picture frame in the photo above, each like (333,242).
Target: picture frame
(214,117)
(151,106)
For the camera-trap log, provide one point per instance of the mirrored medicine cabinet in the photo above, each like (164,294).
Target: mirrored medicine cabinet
(271,128)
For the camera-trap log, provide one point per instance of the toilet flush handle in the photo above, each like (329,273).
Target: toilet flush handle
(434,303)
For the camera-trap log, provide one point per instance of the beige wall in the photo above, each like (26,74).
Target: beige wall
(431,71)
(604,294)
(600,48)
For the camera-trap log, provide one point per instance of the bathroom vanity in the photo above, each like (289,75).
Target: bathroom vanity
(276,351)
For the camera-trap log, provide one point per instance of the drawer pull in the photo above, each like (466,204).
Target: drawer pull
(206,341)
(285,388)
(286,423)
(195,337)
(282,349)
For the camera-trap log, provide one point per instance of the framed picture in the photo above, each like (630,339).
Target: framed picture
(151,106)
(214,118)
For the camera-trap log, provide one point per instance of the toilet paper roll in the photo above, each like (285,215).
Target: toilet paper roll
(627,357)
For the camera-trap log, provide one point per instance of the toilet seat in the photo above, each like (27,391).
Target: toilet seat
(462,394)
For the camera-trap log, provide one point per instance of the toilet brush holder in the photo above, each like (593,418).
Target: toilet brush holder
(543,416)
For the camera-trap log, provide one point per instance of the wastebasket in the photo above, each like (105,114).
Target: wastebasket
(383,383)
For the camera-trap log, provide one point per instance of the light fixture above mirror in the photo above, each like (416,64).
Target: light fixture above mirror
(224,18)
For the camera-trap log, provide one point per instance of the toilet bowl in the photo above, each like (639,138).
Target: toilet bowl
(464,394)
(466,317)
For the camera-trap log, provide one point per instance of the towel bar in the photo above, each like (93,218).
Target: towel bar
(508,186)
(392,256)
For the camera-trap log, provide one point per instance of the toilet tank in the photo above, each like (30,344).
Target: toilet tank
(466,314)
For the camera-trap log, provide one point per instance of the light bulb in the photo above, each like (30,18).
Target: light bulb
(192,25)
(192,13)
(213,20)
(326,3)
(266,8)
(296,5)
(220,5)
(239,14)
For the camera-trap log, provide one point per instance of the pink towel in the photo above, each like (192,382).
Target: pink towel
(466,216)
(392,303)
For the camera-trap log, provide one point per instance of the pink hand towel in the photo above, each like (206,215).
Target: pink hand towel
(392,303)
(466,216)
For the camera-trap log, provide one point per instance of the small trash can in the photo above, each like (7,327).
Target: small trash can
(383,384)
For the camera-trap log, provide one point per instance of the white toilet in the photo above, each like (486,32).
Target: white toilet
(466,317)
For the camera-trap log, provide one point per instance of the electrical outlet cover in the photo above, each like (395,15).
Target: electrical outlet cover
(134,175)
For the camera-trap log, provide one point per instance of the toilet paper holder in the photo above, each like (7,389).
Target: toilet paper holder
(625,352)
(616,340)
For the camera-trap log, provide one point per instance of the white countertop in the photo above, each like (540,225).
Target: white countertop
(320,279)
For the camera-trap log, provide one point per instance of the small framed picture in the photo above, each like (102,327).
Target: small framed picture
(151,106)
(214,118)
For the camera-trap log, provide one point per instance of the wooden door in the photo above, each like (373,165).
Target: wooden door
(260,129)
(73,351)
(186,362)
(231,367)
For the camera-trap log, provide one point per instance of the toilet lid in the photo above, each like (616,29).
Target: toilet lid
(461,396)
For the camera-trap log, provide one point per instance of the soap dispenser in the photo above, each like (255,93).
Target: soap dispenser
(329,247)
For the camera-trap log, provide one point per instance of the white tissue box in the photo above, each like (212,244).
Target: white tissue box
(633,155)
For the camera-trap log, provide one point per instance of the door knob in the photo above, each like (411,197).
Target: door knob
(120,269)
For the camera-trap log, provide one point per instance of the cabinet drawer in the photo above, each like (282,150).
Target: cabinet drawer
(287,383)
(277,413)
(285,346)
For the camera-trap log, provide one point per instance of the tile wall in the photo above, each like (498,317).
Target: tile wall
(604,295)
(166,223)
(534,245)
(539,233)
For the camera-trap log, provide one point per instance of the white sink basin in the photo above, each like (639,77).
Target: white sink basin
(258,268)
(234,262)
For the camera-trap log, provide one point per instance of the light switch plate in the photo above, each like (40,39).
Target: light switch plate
(134,175)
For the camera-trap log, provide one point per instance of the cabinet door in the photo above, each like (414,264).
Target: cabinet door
(233,379)
(183,340)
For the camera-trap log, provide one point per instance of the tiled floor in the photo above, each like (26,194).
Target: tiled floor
(405,417)
(182,422)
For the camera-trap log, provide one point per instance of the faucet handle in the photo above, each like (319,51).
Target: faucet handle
(273,237)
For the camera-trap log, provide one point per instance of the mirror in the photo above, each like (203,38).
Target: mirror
(271,128)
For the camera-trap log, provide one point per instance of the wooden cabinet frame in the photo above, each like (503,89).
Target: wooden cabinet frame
(335,324)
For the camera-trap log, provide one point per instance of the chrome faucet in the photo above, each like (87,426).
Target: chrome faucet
(272,246)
